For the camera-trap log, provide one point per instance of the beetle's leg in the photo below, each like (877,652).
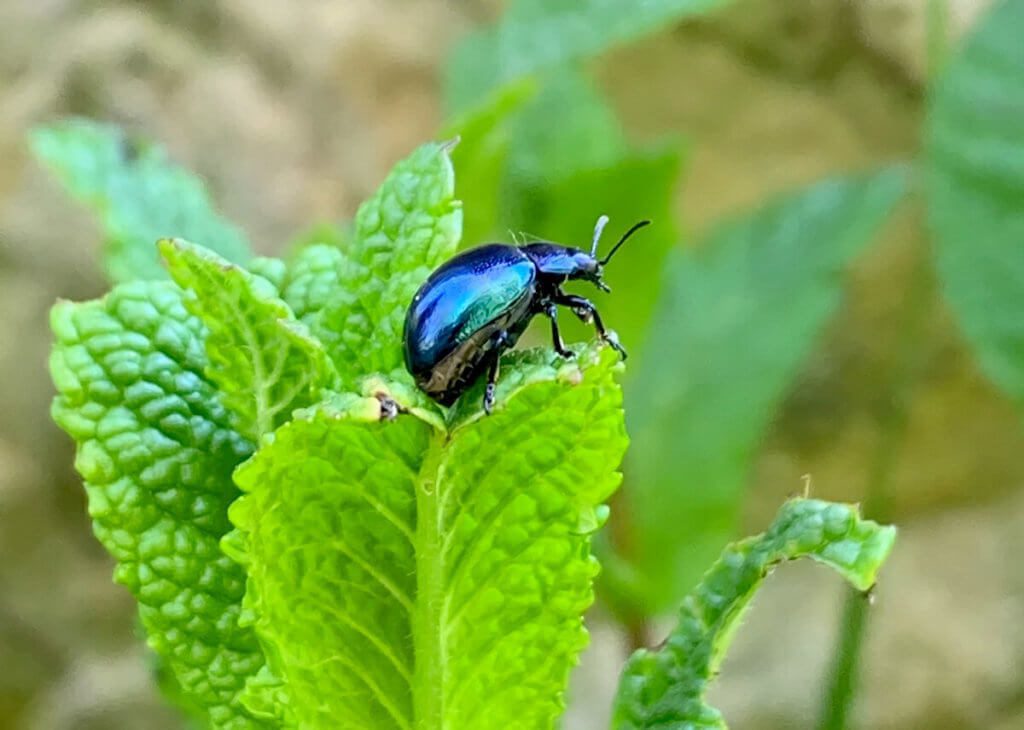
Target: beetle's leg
(587,312)
(492,379)
(501,341)
(551,310)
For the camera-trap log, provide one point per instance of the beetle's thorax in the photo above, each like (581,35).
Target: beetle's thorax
(561,262)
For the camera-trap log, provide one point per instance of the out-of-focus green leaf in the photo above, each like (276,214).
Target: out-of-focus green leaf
(484,135)
(570,163)
(337,235)
(663,689)
(640,185)
(567,128)
(736,319)
(538,34)
(138,194)
(976,192)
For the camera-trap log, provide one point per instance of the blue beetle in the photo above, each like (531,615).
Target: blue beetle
(476,305)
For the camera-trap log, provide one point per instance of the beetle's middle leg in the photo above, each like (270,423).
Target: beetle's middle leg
(587,312)
(492,380)
(551,310)
(501,341)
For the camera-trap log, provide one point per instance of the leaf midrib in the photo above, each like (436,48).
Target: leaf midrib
(428,614)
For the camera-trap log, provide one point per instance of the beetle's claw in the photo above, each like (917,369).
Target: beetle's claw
(389,408)
(489,398)
(613,340)
(567,354)
(586,315)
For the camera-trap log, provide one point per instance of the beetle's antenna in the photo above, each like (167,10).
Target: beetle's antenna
(636,227)
(598,229)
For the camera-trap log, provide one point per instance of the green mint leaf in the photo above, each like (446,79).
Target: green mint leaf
(313,280)
(264,363)
(137,193)
(404,574)
(538,34)
(975,157)
(156,452)
(406,230)
(737,317)
(664,688)
(271,269)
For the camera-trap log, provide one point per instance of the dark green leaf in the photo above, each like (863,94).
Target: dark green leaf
(737,317)
(538,34)
(976,192)
(663,689)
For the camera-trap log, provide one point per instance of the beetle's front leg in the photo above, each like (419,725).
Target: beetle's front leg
(587,312)
(551,310)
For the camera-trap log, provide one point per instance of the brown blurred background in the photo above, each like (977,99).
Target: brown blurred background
(294,111)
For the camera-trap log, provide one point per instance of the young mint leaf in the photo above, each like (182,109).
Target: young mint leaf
(263,361)
(156,451)
(138,194)
(539,34)
(664,688)
(265,267)
(407,575)
(313,280)
(737,317)
(406,230)
(975,155)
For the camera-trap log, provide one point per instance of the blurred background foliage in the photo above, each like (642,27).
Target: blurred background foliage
(833,287)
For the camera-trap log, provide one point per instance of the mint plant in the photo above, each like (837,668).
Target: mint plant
(313,543)
(664,688)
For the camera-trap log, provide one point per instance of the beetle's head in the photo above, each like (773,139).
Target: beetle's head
(591,268)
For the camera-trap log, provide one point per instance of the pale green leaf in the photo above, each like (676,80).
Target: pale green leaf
(137,193)
(737,317)
(407,575)
(975,155)
(539,34)
(406,230)
(263,361)
(664,688)
(156,451)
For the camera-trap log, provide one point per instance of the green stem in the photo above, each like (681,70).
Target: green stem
(892,425)
(427,621)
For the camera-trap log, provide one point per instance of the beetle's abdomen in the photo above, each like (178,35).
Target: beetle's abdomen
(458,310)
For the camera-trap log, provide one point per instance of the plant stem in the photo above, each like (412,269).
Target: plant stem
(428,679)
(892,426)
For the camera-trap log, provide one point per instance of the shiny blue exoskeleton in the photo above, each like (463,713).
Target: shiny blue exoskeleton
(476,305)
